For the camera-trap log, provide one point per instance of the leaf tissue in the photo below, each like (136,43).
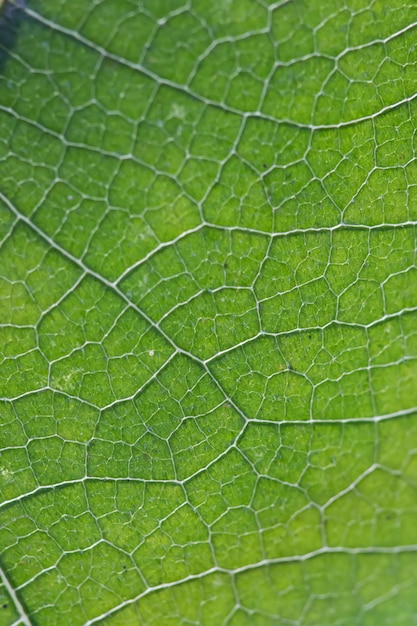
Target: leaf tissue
(208,313)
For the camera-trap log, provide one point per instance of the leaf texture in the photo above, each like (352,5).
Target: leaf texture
(208,297)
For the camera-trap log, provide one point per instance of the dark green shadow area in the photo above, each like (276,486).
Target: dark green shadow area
(11,18)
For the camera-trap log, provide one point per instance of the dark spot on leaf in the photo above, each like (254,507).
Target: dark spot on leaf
(10,19)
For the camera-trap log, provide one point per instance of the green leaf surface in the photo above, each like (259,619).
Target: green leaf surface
(208,313)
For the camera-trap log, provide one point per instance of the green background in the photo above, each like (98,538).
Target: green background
(208,329)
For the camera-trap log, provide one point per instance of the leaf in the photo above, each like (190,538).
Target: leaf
(208,313)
